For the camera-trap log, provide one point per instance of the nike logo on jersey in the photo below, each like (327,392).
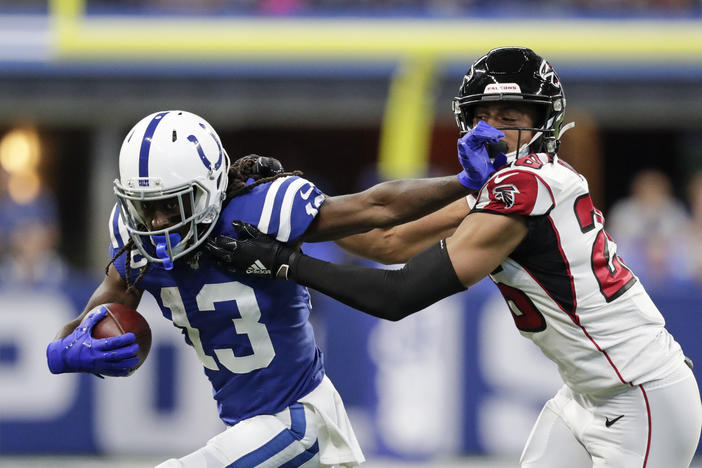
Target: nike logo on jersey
(502,177)
(609,422)
(306,195)
(257,268)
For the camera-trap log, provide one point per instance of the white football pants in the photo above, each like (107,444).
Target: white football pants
(655,425)
(310,433)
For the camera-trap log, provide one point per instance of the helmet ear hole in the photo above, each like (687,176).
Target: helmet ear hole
(539,115)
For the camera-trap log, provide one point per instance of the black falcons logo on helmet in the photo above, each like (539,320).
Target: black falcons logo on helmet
(547,73)
(505,193)
(469,75)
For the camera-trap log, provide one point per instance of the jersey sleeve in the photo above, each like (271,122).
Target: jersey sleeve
(516,191)
(283,208)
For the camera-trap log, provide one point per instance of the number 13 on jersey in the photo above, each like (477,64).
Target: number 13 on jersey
(248,324)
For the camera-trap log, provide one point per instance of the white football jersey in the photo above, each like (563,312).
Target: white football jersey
(567,288)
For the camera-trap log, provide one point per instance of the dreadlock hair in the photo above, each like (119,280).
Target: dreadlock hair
(240,171)
(247,168)
(126,249)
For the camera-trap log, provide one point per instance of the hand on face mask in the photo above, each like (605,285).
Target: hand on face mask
(475,150)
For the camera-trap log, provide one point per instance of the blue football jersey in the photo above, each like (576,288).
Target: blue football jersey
(251,334)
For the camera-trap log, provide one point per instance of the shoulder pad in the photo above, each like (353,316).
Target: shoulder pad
(514,190)
(533,160)
(283,208)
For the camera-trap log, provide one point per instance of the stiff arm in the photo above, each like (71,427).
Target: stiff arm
(398,244)
(384,205)
(481,242)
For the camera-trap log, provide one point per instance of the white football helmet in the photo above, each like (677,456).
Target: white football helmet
(173,158)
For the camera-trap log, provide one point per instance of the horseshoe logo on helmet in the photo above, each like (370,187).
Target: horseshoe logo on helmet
(208,164)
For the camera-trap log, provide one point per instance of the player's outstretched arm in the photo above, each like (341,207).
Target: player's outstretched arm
(383,205)
(480,243)
(398,244)
(392,203)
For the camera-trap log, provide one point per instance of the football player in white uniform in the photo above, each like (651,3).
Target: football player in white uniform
(629,397)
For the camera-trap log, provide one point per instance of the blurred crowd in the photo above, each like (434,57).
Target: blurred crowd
(421,7)
(429,8)
(29,238)
(657,235)
(418,6)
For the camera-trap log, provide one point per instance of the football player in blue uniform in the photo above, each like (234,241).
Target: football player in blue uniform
(176,188)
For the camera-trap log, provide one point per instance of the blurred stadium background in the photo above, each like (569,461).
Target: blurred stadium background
(350,92)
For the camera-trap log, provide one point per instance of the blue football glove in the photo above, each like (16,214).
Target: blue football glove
(80,352)
(474,156)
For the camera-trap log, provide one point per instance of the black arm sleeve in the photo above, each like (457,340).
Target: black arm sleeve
(389,294)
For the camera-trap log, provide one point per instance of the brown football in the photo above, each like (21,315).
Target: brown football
(122,319)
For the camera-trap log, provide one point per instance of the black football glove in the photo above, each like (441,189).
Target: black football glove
(262,167)
(253,253)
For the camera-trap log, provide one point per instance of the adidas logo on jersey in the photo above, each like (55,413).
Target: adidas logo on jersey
(257,268)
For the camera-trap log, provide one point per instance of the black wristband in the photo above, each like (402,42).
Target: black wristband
(388,294)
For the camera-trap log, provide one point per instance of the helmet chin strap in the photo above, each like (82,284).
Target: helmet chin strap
(565,128)
(524,149)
